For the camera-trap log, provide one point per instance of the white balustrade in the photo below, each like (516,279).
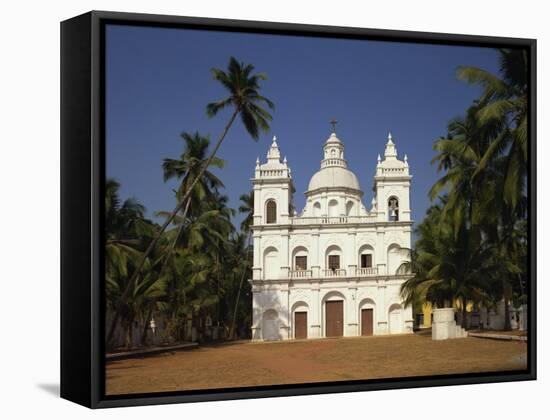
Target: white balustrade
(338,272)
(325,220)
(300,274)
(367,271)
(331,273)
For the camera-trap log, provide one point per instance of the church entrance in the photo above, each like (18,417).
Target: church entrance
(300,325)
(334,318)
(366,321)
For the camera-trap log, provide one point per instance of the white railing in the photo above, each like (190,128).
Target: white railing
(365,272)
(325,220)
(339,272)
(274,173)
(300,274)
(333,162)
(329,273)
(394,170)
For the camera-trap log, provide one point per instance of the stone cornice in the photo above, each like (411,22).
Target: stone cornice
(380,280)
(334,189)
(328,226)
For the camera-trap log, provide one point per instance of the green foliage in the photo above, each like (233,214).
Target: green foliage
(472,244)
(244,95)
(192,262)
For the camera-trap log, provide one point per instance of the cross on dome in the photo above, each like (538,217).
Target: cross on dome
(333,122)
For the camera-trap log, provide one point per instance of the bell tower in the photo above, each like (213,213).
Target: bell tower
(272,184)
(392,184)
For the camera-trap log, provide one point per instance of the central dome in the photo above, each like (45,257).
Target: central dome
(333,177)
(334,172)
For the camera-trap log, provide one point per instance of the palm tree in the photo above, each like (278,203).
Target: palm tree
(451,263)
(246,208)
(187,169)
(245,99)
(504,101)
(126,228)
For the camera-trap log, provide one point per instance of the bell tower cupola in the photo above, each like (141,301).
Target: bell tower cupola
(392,184)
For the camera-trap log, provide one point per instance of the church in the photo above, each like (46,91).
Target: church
(336,268)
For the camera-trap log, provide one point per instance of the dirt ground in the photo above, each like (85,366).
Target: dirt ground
(253,364)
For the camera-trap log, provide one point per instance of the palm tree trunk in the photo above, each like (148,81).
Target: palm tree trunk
(157,237)
(464,313)
(146,326)
(507,325)
(173,245)
(114,323)
(232,331)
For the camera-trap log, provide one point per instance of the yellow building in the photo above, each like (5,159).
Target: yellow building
(427,312)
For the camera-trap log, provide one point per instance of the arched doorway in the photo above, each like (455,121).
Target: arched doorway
(366,317)
(395,319)
(270,325)
(333,314)
(300,320)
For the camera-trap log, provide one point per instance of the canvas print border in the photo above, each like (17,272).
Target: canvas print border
(82,186)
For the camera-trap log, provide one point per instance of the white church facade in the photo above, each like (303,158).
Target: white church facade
(336,268)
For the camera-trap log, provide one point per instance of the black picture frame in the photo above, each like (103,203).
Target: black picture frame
(82,187)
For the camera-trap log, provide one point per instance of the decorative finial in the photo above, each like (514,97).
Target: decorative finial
(258,162)
(284,160)
(378,158)
(334,122)
(275,139)
(405,158)
(390,138)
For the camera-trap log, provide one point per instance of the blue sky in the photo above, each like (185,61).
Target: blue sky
(158,84)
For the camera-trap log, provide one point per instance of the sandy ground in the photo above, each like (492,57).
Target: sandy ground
(252,364)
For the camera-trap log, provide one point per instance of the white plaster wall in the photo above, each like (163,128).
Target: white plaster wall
(312,296)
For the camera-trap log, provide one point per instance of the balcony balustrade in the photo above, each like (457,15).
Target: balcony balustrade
(338,272)
(300,274)
(329,273)
(325,220)
(366,272)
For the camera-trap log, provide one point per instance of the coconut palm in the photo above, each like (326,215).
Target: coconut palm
(187,169)
(452,264)
(243,263)
(504,101)
(126,229)
(245,100)
(247,208)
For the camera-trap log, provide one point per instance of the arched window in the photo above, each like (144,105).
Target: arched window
(349,208)
(394,258)
(393,209)
(317,209)
(299,256)
(271,263)
(271,211)
(333,208)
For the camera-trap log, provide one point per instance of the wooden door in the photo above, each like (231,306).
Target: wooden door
(300,325)
(335,318)
(366,322)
